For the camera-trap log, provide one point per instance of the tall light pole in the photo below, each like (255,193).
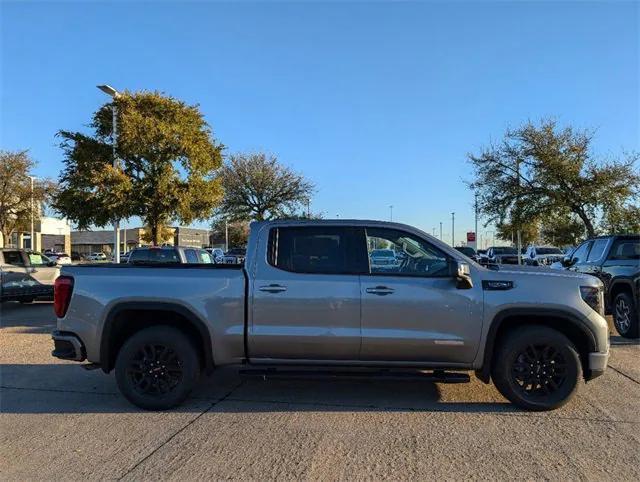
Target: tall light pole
(453,229)
(391,212)
(476,228)
(107,89)
(33,233)
(440,230)
(226,235)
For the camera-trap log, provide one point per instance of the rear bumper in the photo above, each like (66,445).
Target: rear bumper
(68,346)
(597,364)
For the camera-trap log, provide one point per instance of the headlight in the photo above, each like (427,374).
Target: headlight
(593,297)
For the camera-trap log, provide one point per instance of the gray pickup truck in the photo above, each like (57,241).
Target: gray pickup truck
(308,300)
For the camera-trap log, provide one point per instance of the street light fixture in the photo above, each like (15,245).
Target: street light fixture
(113,93)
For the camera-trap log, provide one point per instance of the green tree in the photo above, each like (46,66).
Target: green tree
(258,187)
(621,219)
(16,195)
(539,169)
(168,157)
(562,229)
(238,232)
(528,232)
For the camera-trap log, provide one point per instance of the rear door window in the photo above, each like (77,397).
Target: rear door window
(191,255)
(319,250)
(624,249)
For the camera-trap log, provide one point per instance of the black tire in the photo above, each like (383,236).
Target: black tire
(625,316)
(157,368)
(536,368)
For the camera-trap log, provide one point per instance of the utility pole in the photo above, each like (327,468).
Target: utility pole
(391,212)
(440,230)
(476,228)
(308,209)
(107,89)
(518,212)
(226,235)
(33,246)
(453,229)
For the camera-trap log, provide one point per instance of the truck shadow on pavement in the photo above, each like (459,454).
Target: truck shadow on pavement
(37,318)
(68,388)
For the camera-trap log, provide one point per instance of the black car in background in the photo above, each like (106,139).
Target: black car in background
(616,261)
(469,252)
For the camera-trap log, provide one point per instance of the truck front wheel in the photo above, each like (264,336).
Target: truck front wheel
(157,368)
(536,368)
(625,316)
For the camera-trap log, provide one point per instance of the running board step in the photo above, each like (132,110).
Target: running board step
(438,376)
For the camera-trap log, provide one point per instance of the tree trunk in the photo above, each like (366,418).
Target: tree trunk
(591,232)
(6,238)
(154,234)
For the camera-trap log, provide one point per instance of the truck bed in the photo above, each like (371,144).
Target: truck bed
(215,294)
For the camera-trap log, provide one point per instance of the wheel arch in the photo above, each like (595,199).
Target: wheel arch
(566,323)
(127,318)
(621,286)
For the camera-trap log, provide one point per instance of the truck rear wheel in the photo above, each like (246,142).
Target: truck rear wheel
(625,316)
(157,368)
(536,368)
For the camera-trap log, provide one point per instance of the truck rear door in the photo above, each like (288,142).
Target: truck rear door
(305,296)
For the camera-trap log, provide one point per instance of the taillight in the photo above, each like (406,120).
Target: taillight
(62,290)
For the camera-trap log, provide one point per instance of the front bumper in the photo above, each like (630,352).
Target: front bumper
(68,346)
(597,364)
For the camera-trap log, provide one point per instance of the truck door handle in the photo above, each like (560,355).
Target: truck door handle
(380,290)
(273,288)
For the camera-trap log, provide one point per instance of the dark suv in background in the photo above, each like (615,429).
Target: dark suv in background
(616,261)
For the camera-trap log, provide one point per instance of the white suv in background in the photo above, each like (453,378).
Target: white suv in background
(543,255)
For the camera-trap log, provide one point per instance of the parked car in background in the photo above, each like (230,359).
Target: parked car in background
(75,256)
(616,261)
(235,256)
(482,256)
(502,255)
(383,259)
(26,275)
(59,257)
(542,255)
(124,257)
(469,252)
(217,253)
(169,255)
(307,299)
(97,257)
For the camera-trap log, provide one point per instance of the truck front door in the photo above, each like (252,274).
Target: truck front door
(305,296)
(411,308)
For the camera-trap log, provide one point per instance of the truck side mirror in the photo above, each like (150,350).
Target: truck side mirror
(567,261)
(462,273)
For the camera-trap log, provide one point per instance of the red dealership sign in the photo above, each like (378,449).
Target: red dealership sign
(471,237)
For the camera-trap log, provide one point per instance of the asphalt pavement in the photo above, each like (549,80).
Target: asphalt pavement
(61,421)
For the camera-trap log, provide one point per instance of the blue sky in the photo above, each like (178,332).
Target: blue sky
(378,103)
